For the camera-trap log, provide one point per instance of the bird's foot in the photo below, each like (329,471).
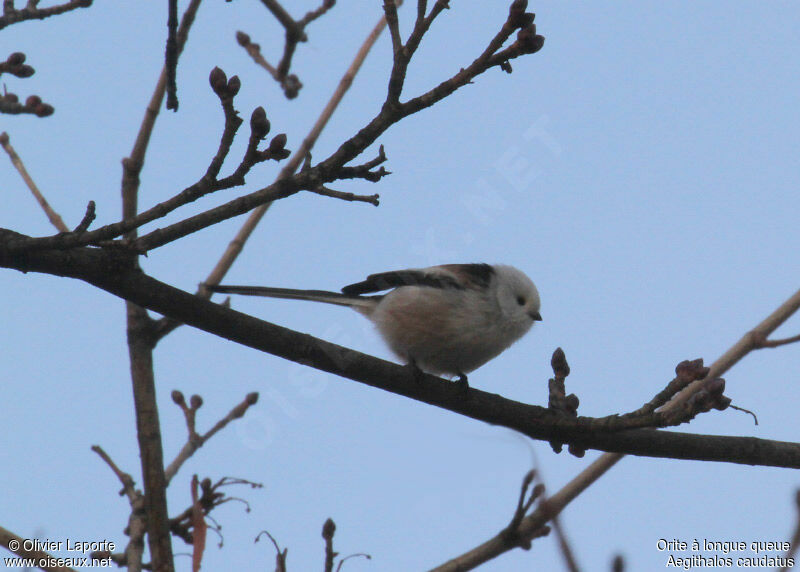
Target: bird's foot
(462,383)
(416,373)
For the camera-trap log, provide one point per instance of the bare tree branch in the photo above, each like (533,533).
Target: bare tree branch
(54,218)
(512,536)
(209,183)
(195,440)
(113,272)
(151,514)
(13,16)
(128,484)
(331,169)
(87,219)
(765,343)
(295,32)
(133,164)
(280,555)
(171,55)
(235,247)
(334,167)
(326,192)
(137,521)
(328,530)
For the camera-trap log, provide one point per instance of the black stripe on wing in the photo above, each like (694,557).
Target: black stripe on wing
(395,279)
(478,274)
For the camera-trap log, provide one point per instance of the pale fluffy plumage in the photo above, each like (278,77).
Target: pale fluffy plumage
(448,319)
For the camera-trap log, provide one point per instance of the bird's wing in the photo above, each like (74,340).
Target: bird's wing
(471,275)
(457,276)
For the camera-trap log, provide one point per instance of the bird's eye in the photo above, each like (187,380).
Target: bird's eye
(520,300)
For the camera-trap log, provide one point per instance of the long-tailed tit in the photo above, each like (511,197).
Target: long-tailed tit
(448,319)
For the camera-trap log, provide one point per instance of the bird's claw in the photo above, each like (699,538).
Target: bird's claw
(416,373)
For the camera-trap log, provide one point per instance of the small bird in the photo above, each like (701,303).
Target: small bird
(448,319)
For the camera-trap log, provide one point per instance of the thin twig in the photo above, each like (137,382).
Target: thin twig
(328,530)
(349,556)
(128,484)
(254,51)
(171,55)
(137,521)
(280,555)
(776,343)
(795,541)
(54,218)
(30,12)
(282,15)
(743,410)
(295,33)
(87,219)
(133,164)
(325,191)
(563,544)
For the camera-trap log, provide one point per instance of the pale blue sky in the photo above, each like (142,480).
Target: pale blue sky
(642,168)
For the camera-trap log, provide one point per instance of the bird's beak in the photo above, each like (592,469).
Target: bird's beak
(535,316)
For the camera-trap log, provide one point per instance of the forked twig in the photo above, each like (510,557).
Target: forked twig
(195,440)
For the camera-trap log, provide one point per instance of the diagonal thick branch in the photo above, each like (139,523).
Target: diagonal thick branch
(8,539)
(115,273)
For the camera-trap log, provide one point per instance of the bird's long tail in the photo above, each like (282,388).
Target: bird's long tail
(356,302)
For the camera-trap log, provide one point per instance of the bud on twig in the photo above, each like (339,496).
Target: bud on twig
(259,124)
(243,39)
(44,110)
(233,86)
(278,142)
(328,529)
(218,81)
(24,71)
(528,39)
(177,397)
(15,59)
